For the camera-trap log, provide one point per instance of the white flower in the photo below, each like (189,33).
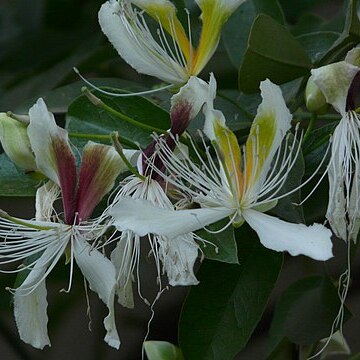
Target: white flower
(241,184)
(174,256)
(42,242)
(172,61)
(339,82)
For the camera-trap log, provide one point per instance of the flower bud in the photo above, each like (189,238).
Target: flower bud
(314,98)
(15,142)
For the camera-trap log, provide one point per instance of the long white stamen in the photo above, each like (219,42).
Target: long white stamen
(140,93)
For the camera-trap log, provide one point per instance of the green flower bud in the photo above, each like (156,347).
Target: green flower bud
(314,98)
(15,142)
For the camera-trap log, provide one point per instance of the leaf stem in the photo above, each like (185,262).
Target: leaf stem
(310,127)
(5,215)
(118,147)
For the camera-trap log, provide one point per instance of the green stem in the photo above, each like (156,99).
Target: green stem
(5,215)
(307,116)
(119,149)
(98,102)
(242,110)
(310,127)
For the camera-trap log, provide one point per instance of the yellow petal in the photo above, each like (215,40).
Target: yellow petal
(164,12)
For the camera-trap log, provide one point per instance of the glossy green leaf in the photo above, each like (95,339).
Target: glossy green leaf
(307,23)
(318,43)
(237,29)
(349,38)
(59,99)
(294,9)
(86,118)
(281,61)
(13,181)
(162,350)
(305,312)
(221,313)
(223,244)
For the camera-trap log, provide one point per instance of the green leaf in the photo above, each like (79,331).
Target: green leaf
(162,350)
(48,78)
(307,23)
(237,29)
(305,312)
(85,117)
(318,43)
(294,9)
(315,146)
(349,38)
(59,99)
(221,313)
(281,61)
(223,244)
(14,182)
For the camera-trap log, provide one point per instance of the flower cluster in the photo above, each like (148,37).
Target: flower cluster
(179,184)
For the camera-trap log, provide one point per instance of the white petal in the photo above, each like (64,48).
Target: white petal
(121,257)
(334,80)
(273,119)
(275,234)
(143,218)
(353,56)
(100,274)
(30,312)
(336,213)
(44,201)
(42,130)
(137,46)
(178,255)
(194,93)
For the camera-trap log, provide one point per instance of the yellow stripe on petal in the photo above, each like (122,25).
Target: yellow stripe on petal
(267,132)
(164,12)
(258,145)
(230,153)
(213,17)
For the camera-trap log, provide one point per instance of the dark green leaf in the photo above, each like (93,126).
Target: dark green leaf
(349,38)
(58,100)
(294,9)
(284,351)
(264,58)
(315,146)
(162,350)
(84,117)
(307,23)
(13,182)
(318,43)
(305,312)
(224,246)
(236,31)
(49,78)
(221,313)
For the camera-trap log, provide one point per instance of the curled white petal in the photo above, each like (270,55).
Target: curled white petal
(298,239)
(100,274)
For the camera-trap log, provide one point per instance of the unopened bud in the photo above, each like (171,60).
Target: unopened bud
(15,142)
(314,98)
